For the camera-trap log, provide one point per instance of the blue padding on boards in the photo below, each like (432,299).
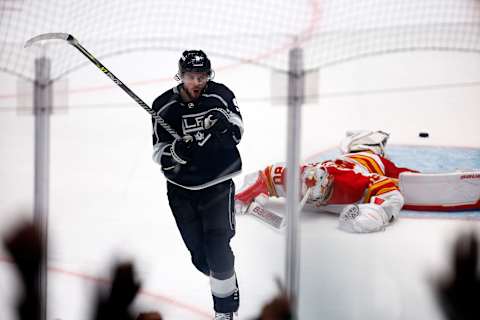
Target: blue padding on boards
(429,159)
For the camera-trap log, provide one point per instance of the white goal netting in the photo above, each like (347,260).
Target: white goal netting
(257,32)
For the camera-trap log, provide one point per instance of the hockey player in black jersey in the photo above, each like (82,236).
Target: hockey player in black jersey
(199,167)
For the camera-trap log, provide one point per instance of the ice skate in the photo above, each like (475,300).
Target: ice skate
(223,316)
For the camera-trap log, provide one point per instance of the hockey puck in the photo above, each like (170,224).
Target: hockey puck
(423,134)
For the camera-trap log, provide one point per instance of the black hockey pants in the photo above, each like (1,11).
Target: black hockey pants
(206,222)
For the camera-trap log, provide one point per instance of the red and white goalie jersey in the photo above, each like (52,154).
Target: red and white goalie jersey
(361,186)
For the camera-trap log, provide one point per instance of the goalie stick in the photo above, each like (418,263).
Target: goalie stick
(273,218)
(74,42)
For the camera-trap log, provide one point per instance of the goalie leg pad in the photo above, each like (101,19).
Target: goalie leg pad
(449,191)
(364,140)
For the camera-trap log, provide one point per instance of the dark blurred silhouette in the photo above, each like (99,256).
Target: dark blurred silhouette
(149,316)
(25,248)
(459,292)
(116,304)
(279,308)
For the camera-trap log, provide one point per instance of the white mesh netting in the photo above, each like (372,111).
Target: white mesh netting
(249,31)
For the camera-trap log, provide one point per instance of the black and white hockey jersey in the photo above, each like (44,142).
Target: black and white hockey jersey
(213,161)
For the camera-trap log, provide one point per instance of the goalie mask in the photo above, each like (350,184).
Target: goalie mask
(314,177)
(194,61)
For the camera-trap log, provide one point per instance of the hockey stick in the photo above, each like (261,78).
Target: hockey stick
(271,218)
(74,42)
(305,198)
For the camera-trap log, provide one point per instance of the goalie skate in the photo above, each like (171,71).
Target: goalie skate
(254,186)
(253,196)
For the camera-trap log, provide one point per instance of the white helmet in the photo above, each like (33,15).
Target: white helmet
(320,183)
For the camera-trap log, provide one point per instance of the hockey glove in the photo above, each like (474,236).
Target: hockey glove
(181,150)
(217,121)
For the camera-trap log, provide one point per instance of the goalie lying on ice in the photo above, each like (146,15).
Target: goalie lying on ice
(360,185)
